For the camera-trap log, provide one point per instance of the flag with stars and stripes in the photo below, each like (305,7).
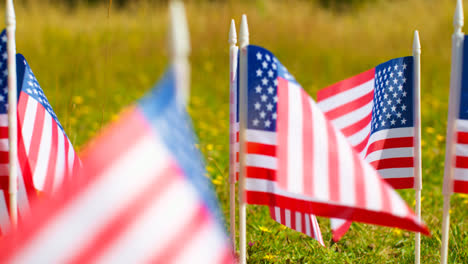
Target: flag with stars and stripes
(45,155)
(374,110)
(460,174)
(261,150)
(315,169)
(142,197)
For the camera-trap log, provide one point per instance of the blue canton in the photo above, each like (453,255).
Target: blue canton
(3,74)
(393,95)
(464,83)
(263,71)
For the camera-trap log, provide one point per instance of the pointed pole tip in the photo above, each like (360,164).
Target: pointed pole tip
(244,32)
(178,34)
(416,42)
(232,33)
(458,18)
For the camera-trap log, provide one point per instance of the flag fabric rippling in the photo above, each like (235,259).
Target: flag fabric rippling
(142,197)
(317,170)
(46,157)
(261,140)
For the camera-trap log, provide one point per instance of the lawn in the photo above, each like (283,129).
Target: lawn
(92,62)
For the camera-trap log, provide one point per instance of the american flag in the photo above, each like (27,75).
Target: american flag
(317,169)
(460,175)
(261,136)
(374,110)
(143,198)
(45,155)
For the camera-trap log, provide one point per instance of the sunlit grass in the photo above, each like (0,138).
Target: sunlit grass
(91,65)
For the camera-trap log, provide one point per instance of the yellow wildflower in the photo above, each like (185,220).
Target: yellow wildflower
(430,130)
(209,147)
(77,99)
(439,137)
(396,231)
(216,181)
(269,257)
(264,229)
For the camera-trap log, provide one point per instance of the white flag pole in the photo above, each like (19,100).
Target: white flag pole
(417,137)
(179,48)
(12,121)
(233,50)
(454,100)
(243,43)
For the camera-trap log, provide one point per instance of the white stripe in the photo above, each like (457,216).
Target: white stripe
(295,177)
(396,173)
(4,146)
(372,190)
(3,120)
(28,122)
(462,125)
(43,160)
(278,214)
(390,153)
(263,137)
(320,151)
(461,150)
(358,137)
(346,171)
(88,213)
(287,218)
(60,162)
(23,201)
(399,208)
(460,174)
(353,117)
(298,221)
(261,161)
(4,215)
(307,225)
(199,252)
(156,227)
(388,134)
(71,158)
(346,96)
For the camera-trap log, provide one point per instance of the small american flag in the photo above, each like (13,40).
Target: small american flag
(374,110)
(142,198)
(45,155)
(261,136)
(460,175)
(318,171)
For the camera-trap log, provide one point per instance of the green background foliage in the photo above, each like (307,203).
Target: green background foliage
(93,61)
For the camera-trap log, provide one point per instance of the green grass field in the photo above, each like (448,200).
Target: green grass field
(92,63)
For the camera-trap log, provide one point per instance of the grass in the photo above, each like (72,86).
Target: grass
(92,64)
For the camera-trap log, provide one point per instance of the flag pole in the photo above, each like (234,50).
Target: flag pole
(243,43)
(12,121)
(455,83)
(417,141)
(179,49)
(233,49)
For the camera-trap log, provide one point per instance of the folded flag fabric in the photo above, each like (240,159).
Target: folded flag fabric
(46,157)
(318,171)
(261,141)
(374,110)
(141,197)
(460,175)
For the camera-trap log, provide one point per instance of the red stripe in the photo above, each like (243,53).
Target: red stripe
(402,142)
(460,186)
(182,238)
(358,126)
(350,107)
(4,183)
(406,162)
(36,138)
(341,231)
(261,173)
(126,216)
(401,183)
(262,149)
(66,177)
(282,131)
(338,211)
(22,152)
(3,132)
(292,215)
(333,164)
(462,137)
(4,157)
(308,144)
(359,182)
(461,162)
(345,85)
(50,176)
(283,216)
